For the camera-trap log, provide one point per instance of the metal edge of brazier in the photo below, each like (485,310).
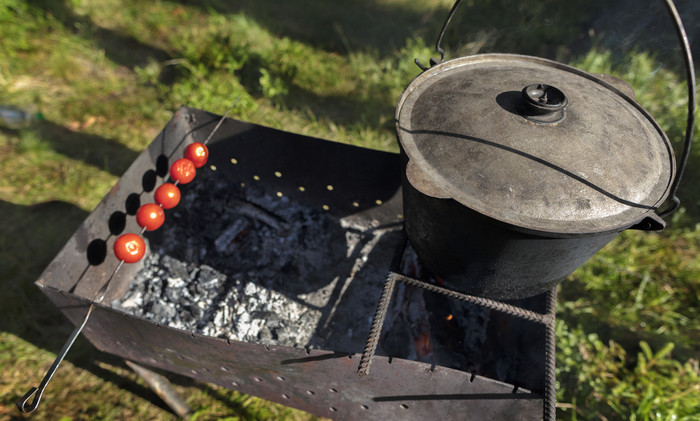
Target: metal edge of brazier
(318,381)
(322,382)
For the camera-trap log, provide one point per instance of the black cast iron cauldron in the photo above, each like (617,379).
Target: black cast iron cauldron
(518,169)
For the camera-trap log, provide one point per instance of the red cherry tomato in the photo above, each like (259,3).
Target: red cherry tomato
(167,195)
(183,171)
(198,153)
(130,248)
(150,216)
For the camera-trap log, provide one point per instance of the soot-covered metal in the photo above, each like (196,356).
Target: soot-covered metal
(267,269)
(265,279)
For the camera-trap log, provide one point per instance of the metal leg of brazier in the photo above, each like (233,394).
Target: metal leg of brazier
(163,388)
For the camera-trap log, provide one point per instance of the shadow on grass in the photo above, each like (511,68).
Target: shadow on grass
(525,26)
(646,25)
(104,154)
(122,49)
(336,26)
(342,109)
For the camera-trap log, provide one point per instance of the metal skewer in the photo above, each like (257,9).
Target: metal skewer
(29,402)
(35,392)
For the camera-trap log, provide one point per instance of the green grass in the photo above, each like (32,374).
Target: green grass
(108,75)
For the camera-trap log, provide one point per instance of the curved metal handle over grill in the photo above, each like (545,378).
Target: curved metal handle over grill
(438,48)
(690,76)
(690,122)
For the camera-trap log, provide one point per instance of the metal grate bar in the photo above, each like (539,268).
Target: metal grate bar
(547,320)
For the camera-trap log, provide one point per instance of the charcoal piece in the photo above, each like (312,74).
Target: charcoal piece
(175,268)
(163,312)
(174,290)
(396,341)
(224,240)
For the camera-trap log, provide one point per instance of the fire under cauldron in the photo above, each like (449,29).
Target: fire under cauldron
(273,294)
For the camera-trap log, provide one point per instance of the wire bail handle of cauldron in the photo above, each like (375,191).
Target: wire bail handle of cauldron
(690,77)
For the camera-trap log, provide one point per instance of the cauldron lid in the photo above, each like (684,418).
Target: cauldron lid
(533,143)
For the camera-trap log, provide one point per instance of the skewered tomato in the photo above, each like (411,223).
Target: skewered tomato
(167,195)
(130,248)
(150,216)
(183,171)
(198,153)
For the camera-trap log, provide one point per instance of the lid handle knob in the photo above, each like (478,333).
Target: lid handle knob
(543,103)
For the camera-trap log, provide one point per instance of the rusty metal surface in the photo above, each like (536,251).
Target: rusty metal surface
(603,167)
(321,382)
(366,187)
